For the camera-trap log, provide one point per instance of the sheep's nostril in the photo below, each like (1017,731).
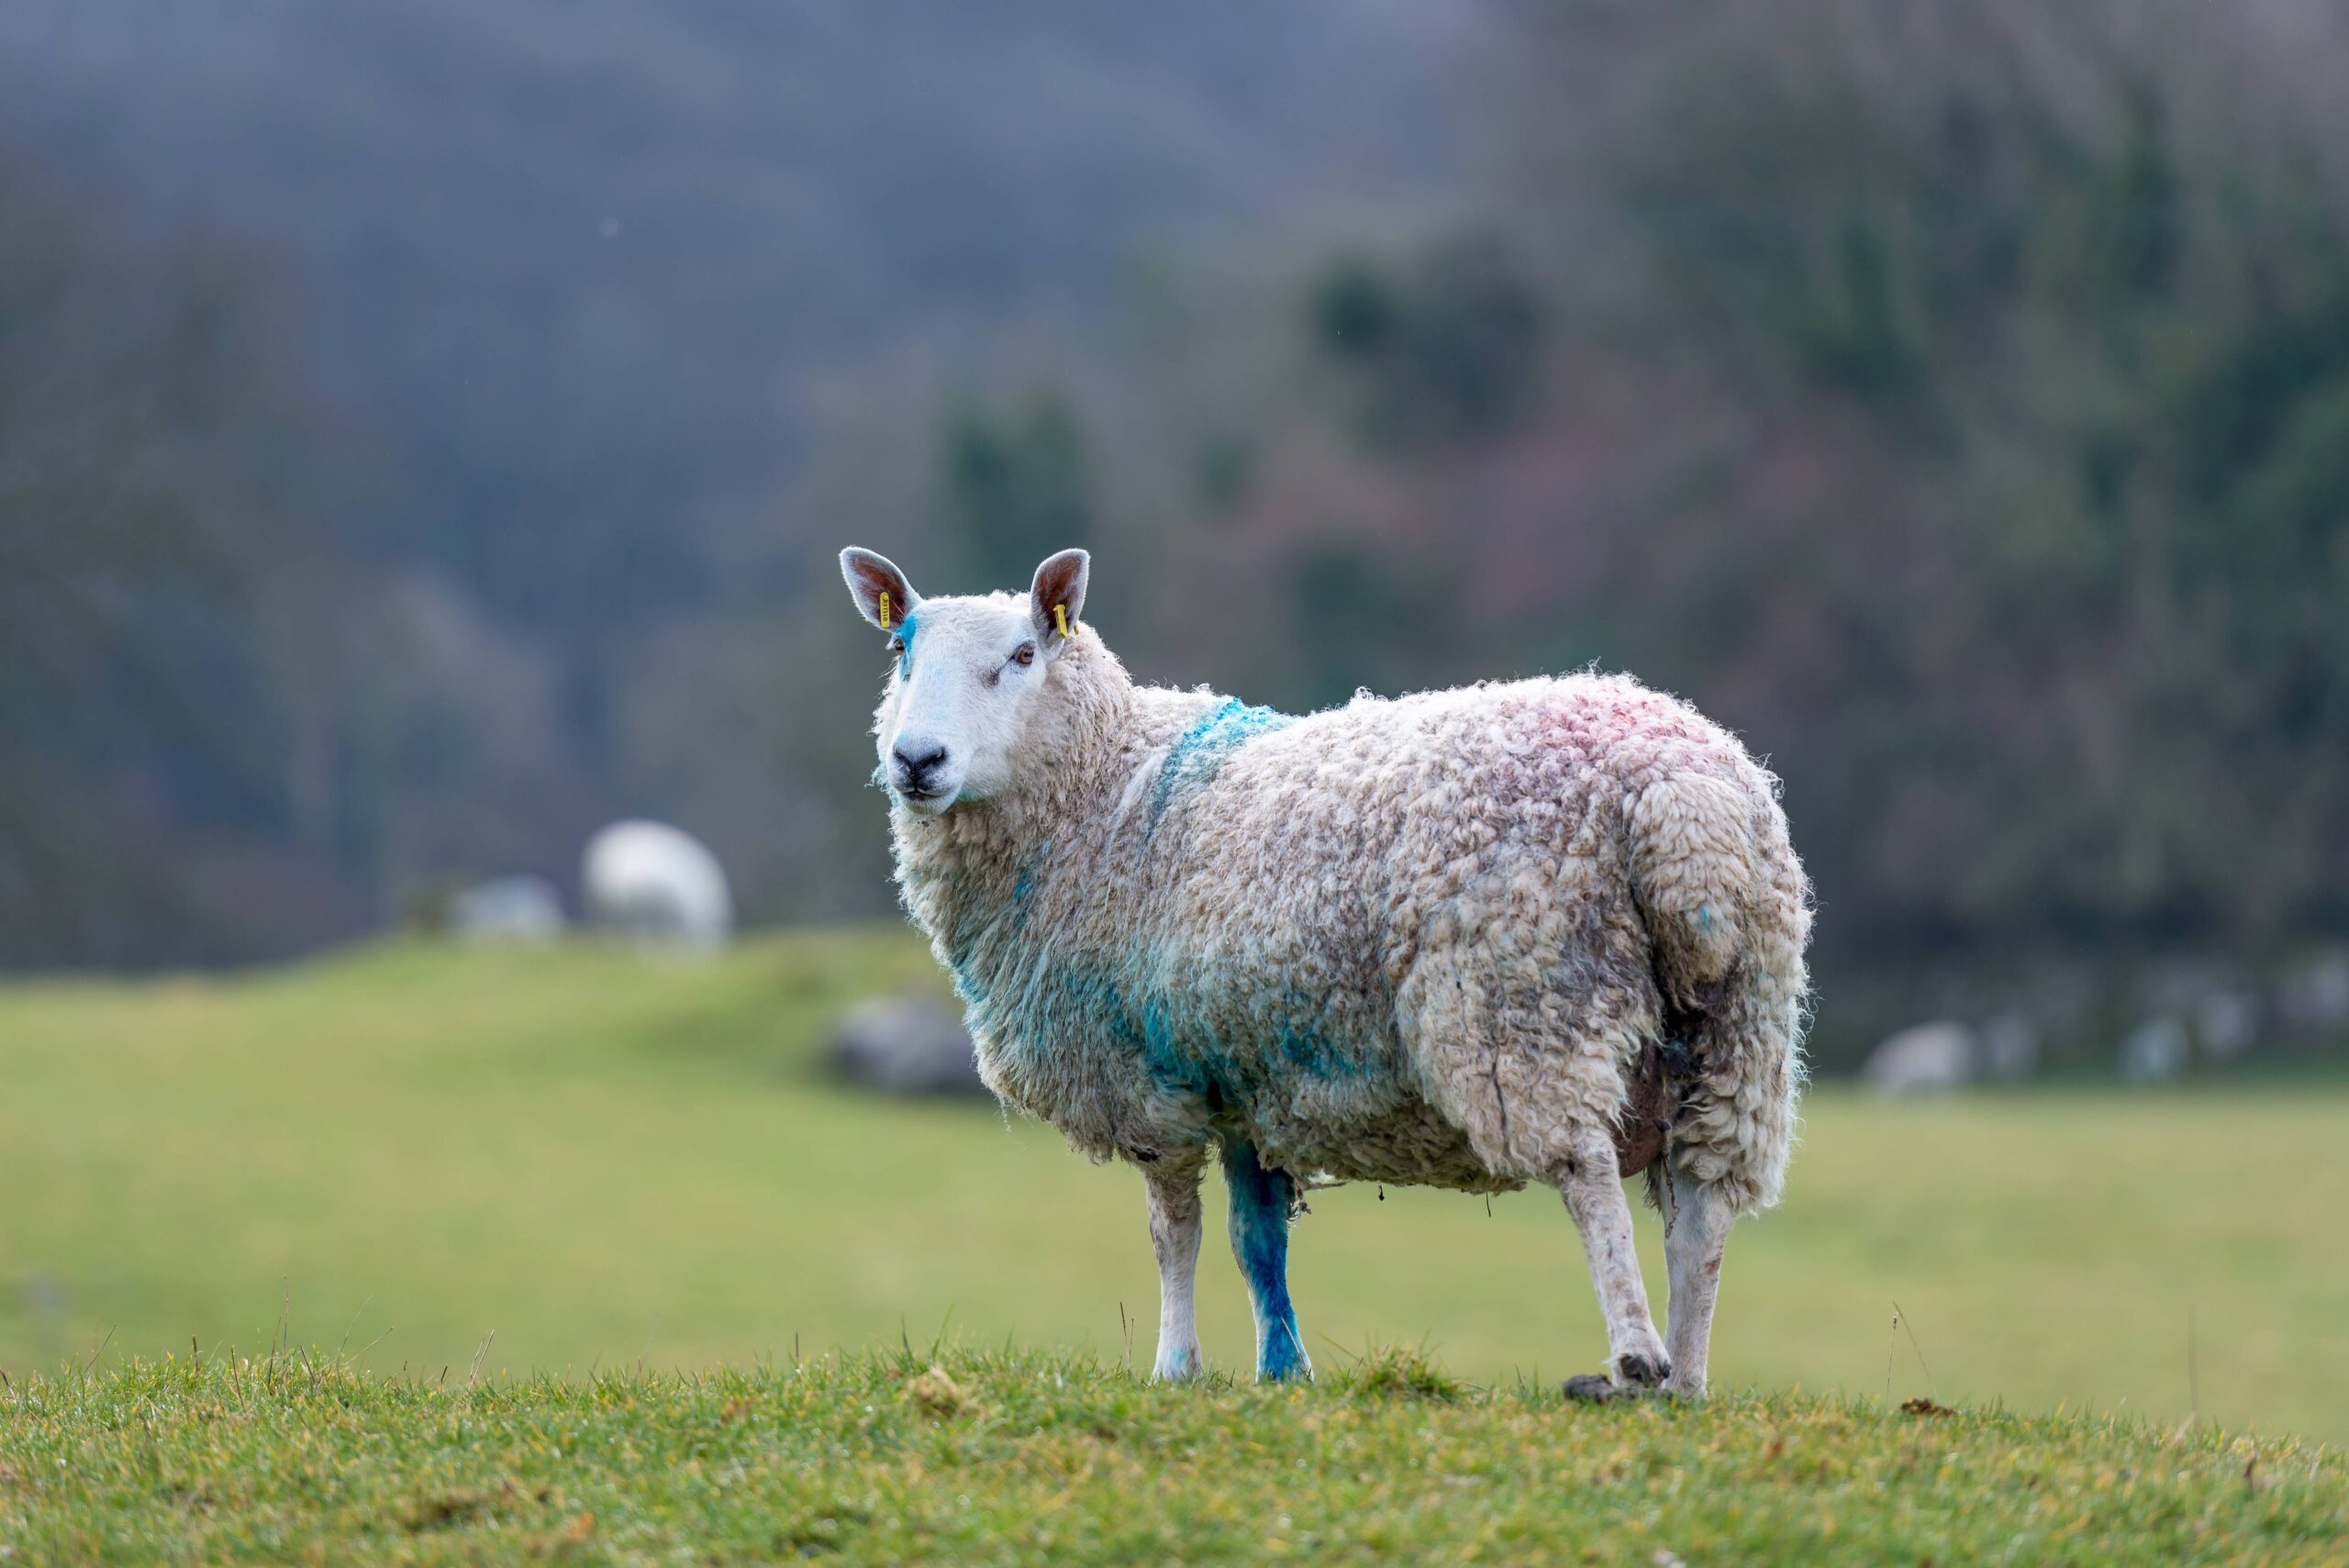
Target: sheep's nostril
(914,762)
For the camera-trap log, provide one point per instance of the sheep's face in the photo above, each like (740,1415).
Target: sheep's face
(963,678)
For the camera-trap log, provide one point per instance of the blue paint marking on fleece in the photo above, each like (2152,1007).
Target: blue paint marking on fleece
(1261,1202)
(904,632)
(1187,1052)
(1183,1056)
(1174,1060)
(906,636)
(1199,751)
(1060,1002)
(1023,885)
(1303,1047)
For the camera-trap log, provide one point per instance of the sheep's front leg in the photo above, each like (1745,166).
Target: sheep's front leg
(1174,1236)
(1697,1228)
(1594,1194)
(1262,1204)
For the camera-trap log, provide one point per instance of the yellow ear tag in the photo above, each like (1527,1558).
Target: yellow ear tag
(1060,616)
(884,609)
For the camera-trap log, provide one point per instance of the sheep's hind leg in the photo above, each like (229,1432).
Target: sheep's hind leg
(1174,1236)
(1594,1194)
(1696,1230)
(1262,1204)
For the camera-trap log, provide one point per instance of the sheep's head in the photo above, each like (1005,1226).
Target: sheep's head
(964,676)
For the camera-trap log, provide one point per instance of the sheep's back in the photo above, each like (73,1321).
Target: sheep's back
(1336,838)
(1293,872)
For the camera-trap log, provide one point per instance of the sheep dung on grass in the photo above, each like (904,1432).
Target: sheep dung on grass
(1541,931)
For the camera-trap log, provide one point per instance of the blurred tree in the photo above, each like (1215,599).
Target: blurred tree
(135,626)
(1017,484)
(223,734)
(1442,351)
(1361,619)
(1952,397)
(2099,317)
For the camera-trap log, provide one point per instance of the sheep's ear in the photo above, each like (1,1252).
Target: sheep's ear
(882,594)
(1058,596)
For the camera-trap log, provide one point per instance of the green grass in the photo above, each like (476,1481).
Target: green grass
(1033,1458)
(610,1161)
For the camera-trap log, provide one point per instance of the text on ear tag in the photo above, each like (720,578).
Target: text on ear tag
(884,609)
(1060,617)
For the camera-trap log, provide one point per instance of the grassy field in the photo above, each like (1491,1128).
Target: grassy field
(613,1163)
(1029,1458)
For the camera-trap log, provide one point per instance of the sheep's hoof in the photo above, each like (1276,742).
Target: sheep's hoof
(1634,1374)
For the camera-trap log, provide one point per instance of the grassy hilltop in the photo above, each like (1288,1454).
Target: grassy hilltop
(611,1162)
(1031,1458)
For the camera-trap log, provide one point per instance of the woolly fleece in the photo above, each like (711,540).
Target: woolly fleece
(1418,940)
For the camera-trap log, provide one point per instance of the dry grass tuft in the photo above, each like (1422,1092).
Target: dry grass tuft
(936,1396)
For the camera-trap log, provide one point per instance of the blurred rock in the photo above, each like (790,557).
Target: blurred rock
(2177,983)
(2154,1051)
(905,1045)
(2227,1025)
(507,909)
(2010,1048)
(2314,996)
(658,885)
(1925,1059)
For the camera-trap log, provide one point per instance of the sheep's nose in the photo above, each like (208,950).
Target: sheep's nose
(914,762)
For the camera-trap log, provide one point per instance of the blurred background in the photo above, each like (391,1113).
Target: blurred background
(427,428)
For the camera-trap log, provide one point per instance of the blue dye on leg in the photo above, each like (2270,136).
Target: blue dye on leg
(1261,1202)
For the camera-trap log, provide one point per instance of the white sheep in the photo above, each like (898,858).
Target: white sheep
(658,885)
(1543,931)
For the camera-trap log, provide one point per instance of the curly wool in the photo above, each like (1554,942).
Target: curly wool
(1423,940)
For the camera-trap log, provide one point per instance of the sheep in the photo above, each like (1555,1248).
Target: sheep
(1550,930)
(658,884)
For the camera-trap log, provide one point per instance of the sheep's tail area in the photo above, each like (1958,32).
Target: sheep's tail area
(1728,915)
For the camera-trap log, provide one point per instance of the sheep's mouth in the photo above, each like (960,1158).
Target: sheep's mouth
(926,802)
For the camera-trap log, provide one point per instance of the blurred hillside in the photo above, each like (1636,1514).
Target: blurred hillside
(1953,401)
(548,293)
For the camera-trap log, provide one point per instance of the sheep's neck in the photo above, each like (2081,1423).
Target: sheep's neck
(967,872)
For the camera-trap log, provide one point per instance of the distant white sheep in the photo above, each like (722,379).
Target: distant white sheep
(657,885)
(1925,1059)
(1546,931)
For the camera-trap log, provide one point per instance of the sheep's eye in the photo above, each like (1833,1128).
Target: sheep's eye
(1025,654)
(897,648)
